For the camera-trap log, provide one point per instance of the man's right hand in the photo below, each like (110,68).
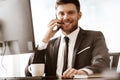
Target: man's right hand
(51,31)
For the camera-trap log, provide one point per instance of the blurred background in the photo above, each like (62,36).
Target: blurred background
(100,15)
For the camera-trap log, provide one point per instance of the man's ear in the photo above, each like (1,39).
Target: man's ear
(79,15)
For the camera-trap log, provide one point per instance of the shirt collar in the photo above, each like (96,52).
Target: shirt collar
(72,36)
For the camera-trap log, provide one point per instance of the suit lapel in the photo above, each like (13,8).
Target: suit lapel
(56,48)
(77,44)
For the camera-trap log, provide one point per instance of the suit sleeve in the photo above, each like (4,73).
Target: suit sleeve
(100,60)
(37,57)
(27,73)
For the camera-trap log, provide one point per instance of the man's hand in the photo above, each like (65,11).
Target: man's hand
(70,72)
(51,31)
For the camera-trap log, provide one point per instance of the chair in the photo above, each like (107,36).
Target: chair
(114,57)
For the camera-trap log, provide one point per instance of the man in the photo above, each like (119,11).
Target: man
(87,51)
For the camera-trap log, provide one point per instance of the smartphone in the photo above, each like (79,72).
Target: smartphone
(57,27)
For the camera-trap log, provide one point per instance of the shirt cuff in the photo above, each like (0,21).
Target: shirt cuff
(42,45)
(87,70)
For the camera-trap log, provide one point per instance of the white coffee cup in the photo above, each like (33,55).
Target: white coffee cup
(36,69)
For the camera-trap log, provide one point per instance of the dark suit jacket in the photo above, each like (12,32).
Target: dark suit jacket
(90,52)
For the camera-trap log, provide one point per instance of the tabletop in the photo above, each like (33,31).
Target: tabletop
(44,78)
(91,77)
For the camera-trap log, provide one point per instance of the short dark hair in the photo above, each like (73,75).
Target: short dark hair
(75,2)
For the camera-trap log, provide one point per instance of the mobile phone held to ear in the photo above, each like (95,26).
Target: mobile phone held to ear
(56,28)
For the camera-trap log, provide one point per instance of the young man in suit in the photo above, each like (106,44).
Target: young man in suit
(87,51)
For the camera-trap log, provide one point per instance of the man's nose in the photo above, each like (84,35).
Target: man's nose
(66,16)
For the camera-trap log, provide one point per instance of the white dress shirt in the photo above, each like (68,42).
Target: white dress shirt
(72,39)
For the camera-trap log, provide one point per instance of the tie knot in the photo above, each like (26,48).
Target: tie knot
(66,39)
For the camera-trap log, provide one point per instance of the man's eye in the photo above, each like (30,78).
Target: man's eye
(61,14)
(71,12)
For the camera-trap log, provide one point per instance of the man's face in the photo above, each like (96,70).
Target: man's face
(69,17)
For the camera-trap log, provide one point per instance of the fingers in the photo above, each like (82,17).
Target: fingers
(69,73)
(53,25)
(56,28)
(54,21)
(51,31)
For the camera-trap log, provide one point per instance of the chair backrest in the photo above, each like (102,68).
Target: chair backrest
(114,56)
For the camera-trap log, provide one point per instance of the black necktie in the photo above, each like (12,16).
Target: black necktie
(65,54)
